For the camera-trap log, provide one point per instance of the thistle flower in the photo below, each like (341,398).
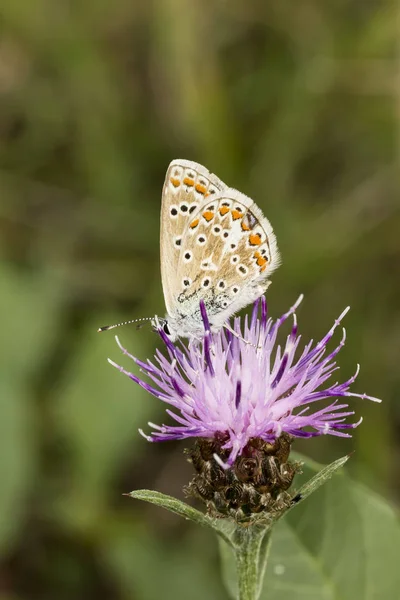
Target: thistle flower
(239,384)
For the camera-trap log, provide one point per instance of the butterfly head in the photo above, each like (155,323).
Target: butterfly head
(165,326)
(176,326)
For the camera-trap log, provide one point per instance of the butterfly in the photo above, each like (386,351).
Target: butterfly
(215,245)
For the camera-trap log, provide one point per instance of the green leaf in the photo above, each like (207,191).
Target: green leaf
(31,306)
(319,479)
(18,465)
(342,542)
(182,509)
(182,563)
(228,569)
(99,413)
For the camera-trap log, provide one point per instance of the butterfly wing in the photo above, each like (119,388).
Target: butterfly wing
(188,187)
(228,250)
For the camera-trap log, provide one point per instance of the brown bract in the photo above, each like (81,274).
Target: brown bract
(256,483)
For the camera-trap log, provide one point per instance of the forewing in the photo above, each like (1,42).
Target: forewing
(187,188)
(228,252)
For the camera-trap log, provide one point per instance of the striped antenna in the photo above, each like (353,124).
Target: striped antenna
(107,327)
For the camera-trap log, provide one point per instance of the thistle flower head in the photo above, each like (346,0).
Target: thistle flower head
(240,384)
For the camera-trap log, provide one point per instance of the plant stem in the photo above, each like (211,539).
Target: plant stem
(251,555)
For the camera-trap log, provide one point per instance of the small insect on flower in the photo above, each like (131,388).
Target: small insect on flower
(216,246)
(244,397)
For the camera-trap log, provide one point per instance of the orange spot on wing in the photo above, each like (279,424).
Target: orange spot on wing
(194,224)
(245,227)
(261,261)
(200,188)
(255,239)
(188,181)
(208,215)
(223,210)
(175,182)
(257,254)
(236,214)
(263,268)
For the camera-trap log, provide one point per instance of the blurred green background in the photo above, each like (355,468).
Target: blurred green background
(294,103)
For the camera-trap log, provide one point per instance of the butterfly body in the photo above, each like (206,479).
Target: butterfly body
(216,246)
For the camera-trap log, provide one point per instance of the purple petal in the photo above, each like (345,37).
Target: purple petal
(247,384)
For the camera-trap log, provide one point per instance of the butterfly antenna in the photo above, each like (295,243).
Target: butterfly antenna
(107,327)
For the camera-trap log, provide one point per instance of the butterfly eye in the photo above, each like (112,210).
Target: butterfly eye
(166,328)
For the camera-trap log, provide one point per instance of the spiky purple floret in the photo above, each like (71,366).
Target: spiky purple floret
(241,383)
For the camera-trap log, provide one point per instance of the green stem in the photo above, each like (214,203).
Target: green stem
(251,556)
